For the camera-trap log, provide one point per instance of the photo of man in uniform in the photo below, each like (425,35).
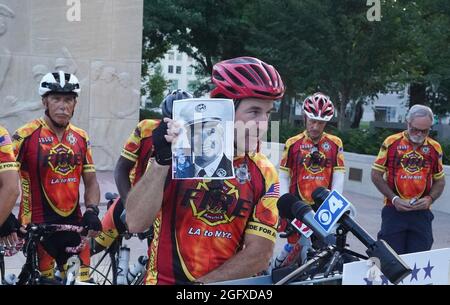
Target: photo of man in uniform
(205,126)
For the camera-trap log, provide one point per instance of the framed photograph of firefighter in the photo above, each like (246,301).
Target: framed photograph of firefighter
(204,149)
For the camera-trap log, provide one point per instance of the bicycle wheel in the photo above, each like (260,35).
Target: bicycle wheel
(103,268)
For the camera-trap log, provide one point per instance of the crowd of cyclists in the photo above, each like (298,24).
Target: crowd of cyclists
(203,231)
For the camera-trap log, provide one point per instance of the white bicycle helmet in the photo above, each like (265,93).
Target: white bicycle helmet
(318,107)
(59,82)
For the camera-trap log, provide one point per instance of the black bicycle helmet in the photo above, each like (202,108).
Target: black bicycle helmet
(167,103)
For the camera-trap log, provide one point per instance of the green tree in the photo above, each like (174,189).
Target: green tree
(154,41)
(207,30)
(330,46)
(156,86)
(326,45)
(429,58)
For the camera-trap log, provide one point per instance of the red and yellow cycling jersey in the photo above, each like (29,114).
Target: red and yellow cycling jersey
(202,223)
(7,158)
(139,148)
(50,172)
(409,172)
(311,165)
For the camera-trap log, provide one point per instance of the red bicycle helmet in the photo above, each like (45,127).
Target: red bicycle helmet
(318,107)
(246,77)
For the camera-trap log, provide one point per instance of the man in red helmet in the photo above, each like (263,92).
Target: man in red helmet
(312,158)
(214,230)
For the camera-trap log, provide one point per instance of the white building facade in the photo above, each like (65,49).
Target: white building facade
(178,69)
(389,107)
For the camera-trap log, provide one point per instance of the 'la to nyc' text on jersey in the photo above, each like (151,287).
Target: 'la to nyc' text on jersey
(311,165)
(410,172)
(50,172)
(202,223)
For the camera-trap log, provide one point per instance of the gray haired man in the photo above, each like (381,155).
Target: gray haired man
(412,164)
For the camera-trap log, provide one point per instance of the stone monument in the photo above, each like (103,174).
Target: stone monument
(97,40)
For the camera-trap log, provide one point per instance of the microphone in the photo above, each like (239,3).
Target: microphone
(291,207)
(392,266)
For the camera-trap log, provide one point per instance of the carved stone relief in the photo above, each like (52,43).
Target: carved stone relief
(108,137)
(114,92)
(99,50)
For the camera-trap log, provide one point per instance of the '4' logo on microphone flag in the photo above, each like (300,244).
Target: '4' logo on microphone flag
(331,210)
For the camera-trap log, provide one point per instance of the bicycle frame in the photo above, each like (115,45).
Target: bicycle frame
(30,274)
(113,253)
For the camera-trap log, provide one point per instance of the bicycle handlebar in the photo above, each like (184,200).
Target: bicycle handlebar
(37,231)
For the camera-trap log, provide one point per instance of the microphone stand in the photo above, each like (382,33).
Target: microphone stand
(331,255)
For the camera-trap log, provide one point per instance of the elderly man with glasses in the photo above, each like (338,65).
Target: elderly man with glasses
(411,162)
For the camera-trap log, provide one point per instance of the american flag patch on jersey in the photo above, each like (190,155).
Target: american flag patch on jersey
(5,140)
(273,191)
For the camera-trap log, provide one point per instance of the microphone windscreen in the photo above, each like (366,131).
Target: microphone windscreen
(319,195)
(284,205)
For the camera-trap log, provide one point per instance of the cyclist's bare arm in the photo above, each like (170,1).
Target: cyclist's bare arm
(145,198)
(438,188)
(9,191)
(381,184)
(92,189)
(253,258)
(122,176)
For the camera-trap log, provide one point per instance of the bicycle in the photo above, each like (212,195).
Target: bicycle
(106,269)
(37,233)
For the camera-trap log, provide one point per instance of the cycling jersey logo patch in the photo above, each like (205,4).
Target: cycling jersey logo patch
(62,159)
(425,149)
(242,174)
(315,161)
(71,139)
(326,146)
(216,201)
(412,162)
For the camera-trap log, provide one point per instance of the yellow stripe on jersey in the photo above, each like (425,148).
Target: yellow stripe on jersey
(25,212)
(286,169)
(439,175)
(262,230)
(89,168)
(152,272)
(339,169)
(379,167)
(129,155)
(9,166)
